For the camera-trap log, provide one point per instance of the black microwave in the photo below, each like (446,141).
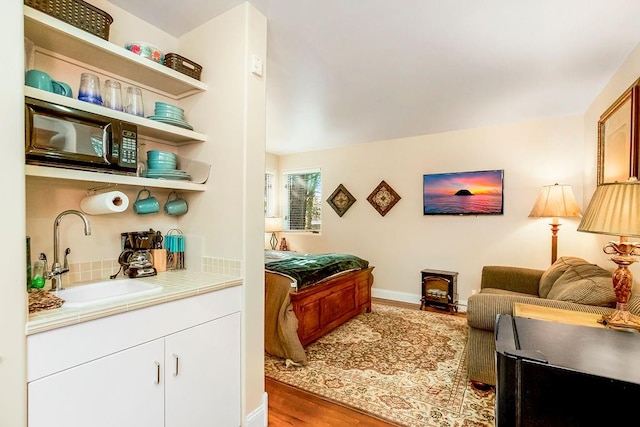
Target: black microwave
(61,136)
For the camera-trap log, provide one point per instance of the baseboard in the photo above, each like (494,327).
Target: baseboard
(407,297)
(462,306)
(260,417)
(396,296)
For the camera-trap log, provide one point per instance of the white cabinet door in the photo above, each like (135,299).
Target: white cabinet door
(203,375)
(121,390)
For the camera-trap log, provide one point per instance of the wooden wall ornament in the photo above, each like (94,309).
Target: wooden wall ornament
(341,200)
(383,198)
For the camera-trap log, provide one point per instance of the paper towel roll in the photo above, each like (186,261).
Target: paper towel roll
(105,203)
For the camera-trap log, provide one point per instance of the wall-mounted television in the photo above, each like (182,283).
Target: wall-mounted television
(463,193)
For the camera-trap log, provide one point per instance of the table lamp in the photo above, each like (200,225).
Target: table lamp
(273,225)
(555,201)
(614,209)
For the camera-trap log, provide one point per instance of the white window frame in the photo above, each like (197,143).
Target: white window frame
(270,193)
(285,209)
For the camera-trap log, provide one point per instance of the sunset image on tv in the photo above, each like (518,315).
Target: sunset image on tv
(463,193)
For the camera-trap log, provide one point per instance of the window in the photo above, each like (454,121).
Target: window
(302,201)
(270,201)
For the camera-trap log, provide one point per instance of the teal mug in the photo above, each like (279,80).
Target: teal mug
(62,88)
(39,79)
(177,206)
(147,205)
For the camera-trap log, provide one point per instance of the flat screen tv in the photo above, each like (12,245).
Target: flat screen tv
(463,193)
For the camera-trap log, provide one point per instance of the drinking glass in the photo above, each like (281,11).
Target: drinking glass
(90,89)
(133,101)
(113,95)
(29,54)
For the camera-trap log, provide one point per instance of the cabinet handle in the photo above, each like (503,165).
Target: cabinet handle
(157,381)
(177,359)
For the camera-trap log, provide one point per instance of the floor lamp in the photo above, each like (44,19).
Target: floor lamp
(555,201)
(614,210)
(273,225)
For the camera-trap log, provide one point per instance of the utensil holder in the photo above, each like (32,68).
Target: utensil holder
(174,244)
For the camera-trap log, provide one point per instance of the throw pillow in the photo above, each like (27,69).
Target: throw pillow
(585,284)
(556,270)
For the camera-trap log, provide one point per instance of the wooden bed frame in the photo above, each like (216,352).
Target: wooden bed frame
(323,307)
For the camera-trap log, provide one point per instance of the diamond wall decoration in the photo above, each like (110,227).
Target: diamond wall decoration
(341,200)
(383,198)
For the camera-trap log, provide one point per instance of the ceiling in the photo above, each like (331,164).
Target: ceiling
(344,72)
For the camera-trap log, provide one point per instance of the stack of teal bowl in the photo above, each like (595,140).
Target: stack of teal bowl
(170,114)
(162,165)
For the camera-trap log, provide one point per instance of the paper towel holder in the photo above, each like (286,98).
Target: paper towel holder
(107,202)
(93,190)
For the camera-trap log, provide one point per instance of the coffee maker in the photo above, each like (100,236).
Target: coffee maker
(136,258)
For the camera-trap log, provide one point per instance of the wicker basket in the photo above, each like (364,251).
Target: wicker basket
(183,65)
(77,13)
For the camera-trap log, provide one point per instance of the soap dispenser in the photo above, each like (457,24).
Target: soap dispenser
(39,269)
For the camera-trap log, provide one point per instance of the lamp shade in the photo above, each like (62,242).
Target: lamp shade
(614,209)
(555,201)
(272,224)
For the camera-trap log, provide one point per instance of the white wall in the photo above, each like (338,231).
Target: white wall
(404,242)
(628,73)
(13,307)
(253,193)
(229,218)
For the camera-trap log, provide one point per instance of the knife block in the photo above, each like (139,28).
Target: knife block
(159,259)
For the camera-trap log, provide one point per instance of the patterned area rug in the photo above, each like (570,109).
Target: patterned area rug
(404,366)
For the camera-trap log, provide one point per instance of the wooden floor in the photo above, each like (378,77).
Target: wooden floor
(289,406)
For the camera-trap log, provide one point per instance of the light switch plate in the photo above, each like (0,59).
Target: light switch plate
(256,65)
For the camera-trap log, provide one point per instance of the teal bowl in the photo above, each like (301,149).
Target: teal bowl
(162,166)
(170,115)
(165,106)
(153,155)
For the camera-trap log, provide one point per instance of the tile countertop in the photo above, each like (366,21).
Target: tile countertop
(175,285)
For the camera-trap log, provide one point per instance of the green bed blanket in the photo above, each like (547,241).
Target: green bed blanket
(307,269)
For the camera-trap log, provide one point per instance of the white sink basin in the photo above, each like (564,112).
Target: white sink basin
(106,291)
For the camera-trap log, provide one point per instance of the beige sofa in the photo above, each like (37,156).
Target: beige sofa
(571,283)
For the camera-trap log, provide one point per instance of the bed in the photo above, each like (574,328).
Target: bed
(308,295)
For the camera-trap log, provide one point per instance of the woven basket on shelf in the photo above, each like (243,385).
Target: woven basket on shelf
(77,13)
(183,65)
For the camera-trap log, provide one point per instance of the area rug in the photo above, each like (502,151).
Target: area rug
(404,366)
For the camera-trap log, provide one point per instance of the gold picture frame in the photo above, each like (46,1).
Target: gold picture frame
(618,138)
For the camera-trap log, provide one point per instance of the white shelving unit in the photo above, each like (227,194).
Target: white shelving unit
(57,36)
(167,133)
(107,178)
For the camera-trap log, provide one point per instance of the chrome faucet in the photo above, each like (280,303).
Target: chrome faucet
(57,269)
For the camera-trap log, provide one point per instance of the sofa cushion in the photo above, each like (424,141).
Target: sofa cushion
(554,272)
(494,291)
(584,284)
